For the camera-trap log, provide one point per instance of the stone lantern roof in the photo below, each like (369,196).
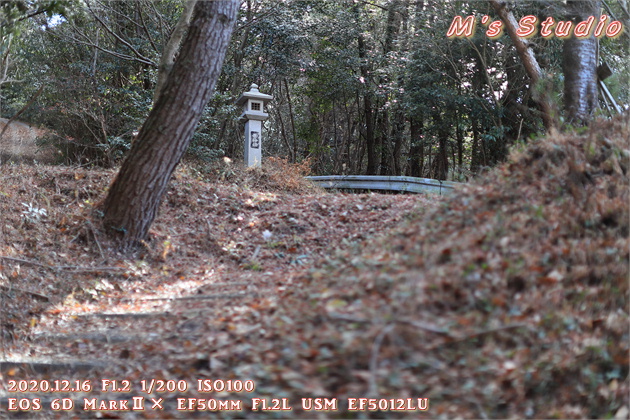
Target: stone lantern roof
(253,93)
(253,103)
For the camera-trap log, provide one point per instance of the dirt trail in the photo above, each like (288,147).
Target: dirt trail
(188,307)
(17,124)
(19,142)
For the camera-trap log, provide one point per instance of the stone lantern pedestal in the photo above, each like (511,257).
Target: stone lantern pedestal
(253,103)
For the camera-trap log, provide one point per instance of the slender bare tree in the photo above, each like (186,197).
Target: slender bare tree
(528,58)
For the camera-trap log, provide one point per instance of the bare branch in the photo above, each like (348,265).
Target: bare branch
(527,57)
(164,29)
(490,331)
(415,324)
(26,292)
(72,268)
(110,52)
(146,31)
(140,57)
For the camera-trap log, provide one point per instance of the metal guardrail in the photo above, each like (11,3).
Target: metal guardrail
(387,183)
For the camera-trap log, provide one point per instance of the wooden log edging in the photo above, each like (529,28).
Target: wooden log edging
(385,183)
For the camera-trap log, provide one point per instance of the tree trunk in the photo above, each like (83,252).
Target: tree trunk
(172,46)
(368,111)
(135,195)
(397,135)
(442,161)
(368,107)
(292,116)
(416,150)
(382,141)
(460,145)
(474,154)
(580,66)
(441,164)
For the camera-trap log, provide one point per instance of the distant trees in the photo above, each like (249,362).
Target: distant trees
(98,61)
(15,17)
(359,86)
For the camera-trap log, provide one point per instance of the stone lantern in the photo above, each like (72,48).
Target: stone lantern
(253,103)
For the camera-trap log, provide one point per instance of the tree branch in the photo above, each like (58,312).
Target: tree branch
(140,57)
(529,61)
(146,30)
(112,53)
(72,268)
(415,324)
(26,292)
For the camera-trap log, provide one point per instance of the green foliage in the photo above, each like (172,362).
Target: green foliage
(13,12)
(469,100)
(93,99)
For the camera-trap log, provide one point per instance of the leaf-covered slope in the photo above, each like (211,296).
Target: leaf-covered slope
(509,299)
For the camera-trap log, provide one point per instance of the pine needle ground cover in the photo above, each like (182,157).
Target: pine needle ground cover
(507,299)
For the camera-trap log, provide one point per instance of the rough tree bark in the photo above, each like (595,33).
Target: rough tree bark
(579,58)
(135,195)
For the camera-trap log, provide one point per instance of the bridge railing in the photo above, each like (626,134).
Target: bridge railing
(385,183)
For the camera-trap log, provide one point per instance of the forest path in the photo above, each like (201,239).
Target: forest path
(19,141)
(16,124)
(187,307)
(134,344)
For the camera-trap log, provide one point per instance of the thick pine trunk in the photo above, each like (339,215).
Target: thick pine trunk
(579,58)
(135,195)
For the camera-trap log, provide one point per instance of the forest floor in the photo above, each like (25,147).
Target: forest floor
(508,298)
